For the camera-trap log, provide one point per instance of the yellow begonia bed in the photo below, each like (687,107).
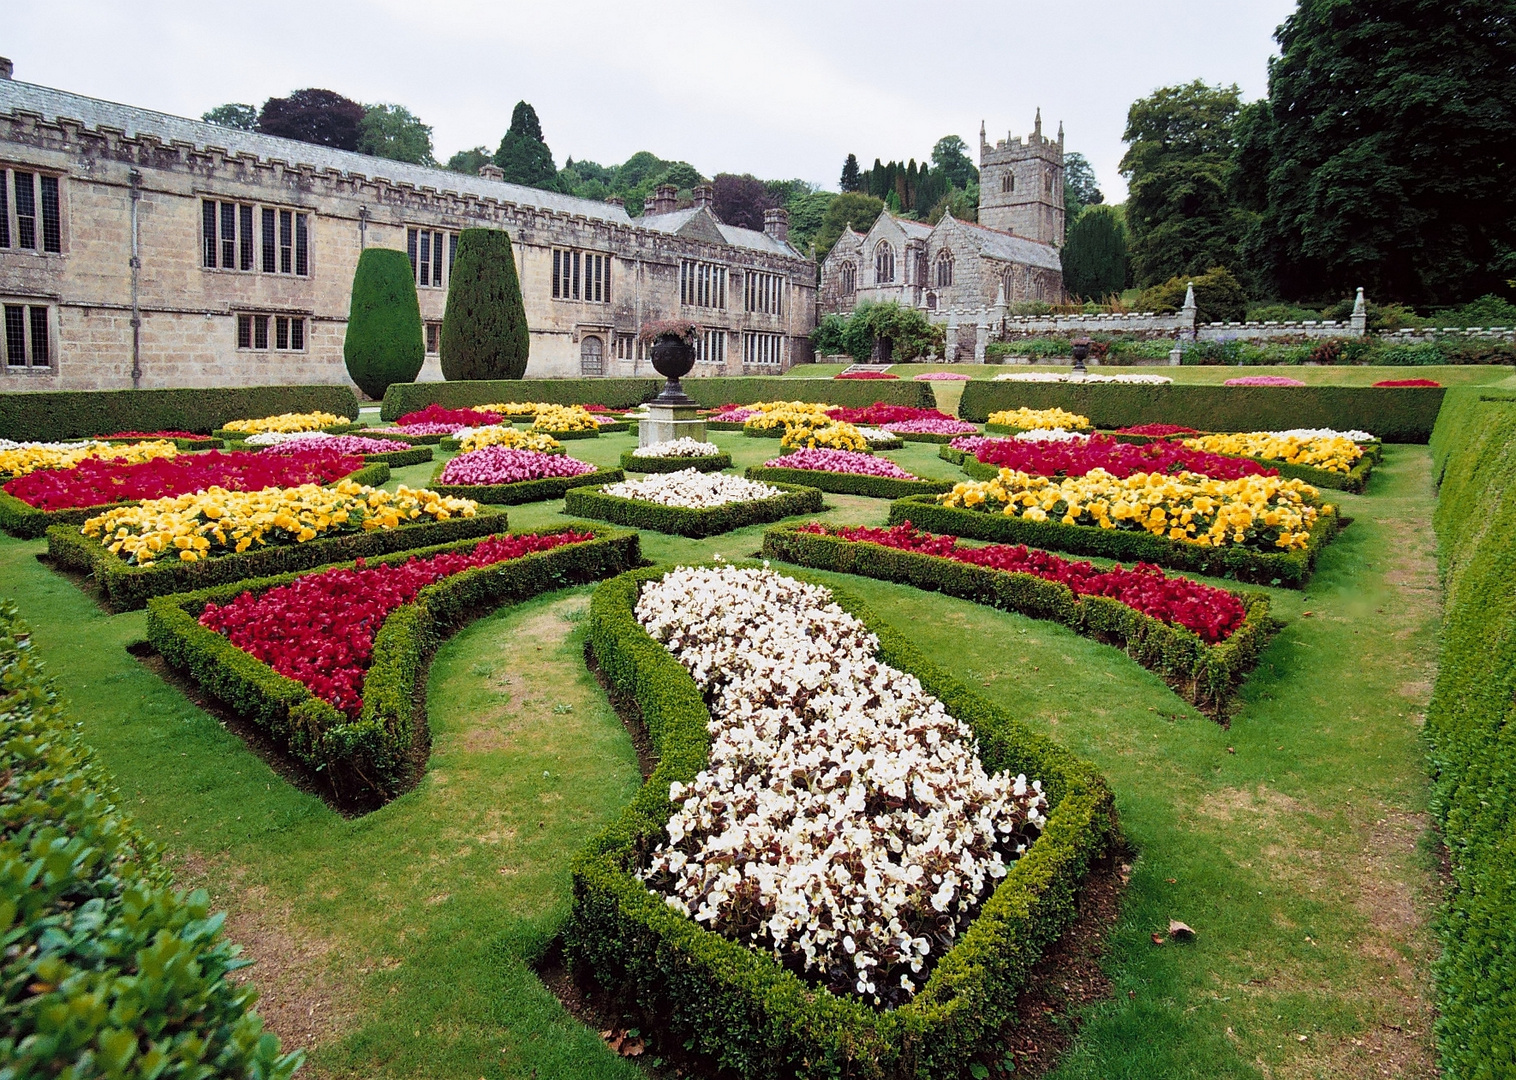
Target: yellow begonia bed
(501,435)
(1265,513)
(28,459)
(564,418)
(825,436)
(1041,419)
(784,414)
(1333,453)
(287,422)
(219,522)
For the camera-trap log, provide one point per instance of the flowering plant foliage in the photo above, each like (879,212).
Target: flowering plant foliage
(311,421)
(940,376)
(1210,612)
(1091,377)
(683,447)
(768,415)
(436,414)
(827,434)
(843,821)
(880,413)
(931,427)
(505,435)
(318,442)
(864,375)
(96,481)
(320,628)
(1119,459)
(423,429)
(503,465)
(1056,434)
(692,489)
(513,408)
(1262,513)
(1263,380)
(220,522)
(1352,434)
(19,459)
(563,418)
(1160,431)
(733,414)
(878,437)
(840,461)
(1031,419)
(683,329)
(1408,382)
(1334,453)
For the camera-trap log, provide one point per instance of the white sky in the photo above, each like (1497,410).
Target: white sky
(780,89)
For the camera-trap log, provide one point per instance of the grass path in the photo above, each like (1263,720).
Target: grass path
(398,944)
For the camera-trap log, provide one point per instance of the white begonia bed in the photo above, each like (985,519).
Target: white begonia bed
(843,821)
(692,490)
(1325,433)
(683,447)
(1051,435)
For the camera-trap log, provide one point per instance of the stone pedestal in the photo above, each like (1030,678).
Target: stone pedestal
(666,423)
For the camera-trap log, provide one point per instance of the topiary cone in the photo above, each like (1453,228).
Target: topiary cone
(383,343)
(484,333)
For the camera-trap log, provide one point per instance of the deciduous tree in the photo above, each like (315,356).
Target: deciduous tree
(312,115)
(233,115)
(394,132)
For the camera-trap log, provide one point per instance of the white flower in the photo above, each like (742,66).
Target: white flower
(1324,433)
(1067,376)
(1051,435)
(683,447)
(692,489)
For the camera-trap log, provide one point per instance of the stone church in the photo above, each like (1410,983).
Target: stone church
(142,249)
(1009,256)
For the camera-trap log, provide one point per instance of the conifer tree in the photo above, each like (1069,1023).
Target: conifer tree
(383,343)
(484,332)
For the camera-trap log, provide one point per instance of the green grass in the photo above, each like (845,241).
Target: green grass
(1447,374)
(1300,859)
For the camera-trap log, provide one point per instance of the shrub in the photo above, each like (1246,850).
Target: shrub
(1094,254)
(50,415)
(484,332)
(842,483)
(383,343)
(686,521)
(108,970)
(1219,296)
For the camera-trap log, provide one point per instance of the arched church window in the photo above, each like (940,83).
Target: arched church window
(944,269)
(1008,182)
(884,263)
(847,278)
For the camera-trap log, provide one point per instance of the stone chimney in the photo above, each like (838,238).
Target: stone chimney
(491,171)
(705,196)
(665,199)
(776,223)
(7,69)
(615,200)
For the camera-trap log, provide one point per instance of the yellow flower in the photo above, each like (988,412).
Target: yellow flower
(564,418)
(28,458)
(287,422)
(1041,419)
(504,435)
(1333,453)
(786,414)
(828,435)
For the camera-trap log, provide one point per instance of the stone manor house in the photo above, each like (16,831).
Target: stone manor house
(1010,256)
(140,249)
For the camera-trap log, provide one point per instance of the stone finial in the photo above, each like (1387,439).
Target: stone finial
(983,144)
(1189,299)
(1360,307)
(1037,131)
(1359,323)
(1060,134)
(491,171)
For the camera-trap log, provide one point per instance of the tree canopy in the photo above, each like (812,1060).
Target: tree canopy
(951,157)
(851,178)
(523,155)
(850,208)
(470,161)
(741,200)
(233,115)
(1094,254)
(312,115)
(1080,188)
(392,131)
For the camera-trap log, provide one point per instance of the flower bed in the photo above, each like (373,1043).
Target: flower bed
(183,440)
(845,473)
(566,422)
(502,435)
(941,376)
(434,415)
(881,413)
(420,433)
(22,459)
(879,439)
(1123,521)
(360,636)
(1408,382)
(31,504)
(1157,431)
(829,435)
(298,528)
(864,375)
(773,417)
(675,456)
(737,1004)
(1119,459)
(1088,377)
(1320,457)
(1263,380)
(691,503)
(1199,638)
(931,431)
(497,474)
(291,421)
(391,452)
(1010,421)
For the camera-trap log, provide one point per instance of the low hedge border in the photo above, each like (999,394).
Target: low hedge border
(614,427)
(1205,675)
(764,433)
(238,436)
(895,443)
(48,415)
(684,521)
(204,443)
(873,487)
(452,445)
(94,918)
(714,463)
(1007,429)
(416,455)
(725,425)
(128,588)
(736,1004)
(587,433)
(1290,569)
(372,757)
(414,440)
(26,522)
(927,437)
(523,491)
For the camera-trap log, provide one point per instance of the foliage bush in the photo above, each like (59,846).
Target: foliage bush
(372,757)
(484,331)
(383,343)
(715,463)
(735,1004)
(1219,296)
(50,415)
(907,331)
(108,970)
(1094,253)
(687,521)
(1470,733)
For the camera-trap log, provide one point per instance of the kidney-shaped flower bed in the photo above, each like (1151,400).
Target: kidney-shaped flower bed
(846,472)
(1076,457)
(32,503)
(1321,457)
(676,455)
(501,475)
(691,503)
(844,864)
(1201,639)
(327,662)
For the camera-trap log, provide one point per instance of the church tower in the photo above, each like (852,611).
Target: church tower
(1021,185)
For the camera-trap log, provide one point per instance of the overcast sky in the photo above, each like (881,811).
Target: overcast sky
(780,89)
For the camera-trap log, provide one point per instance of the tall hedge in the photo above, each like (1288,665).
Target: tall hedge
(383,343)
(484,333)
(74,414)
(1471,733)
(1094,256)
(108,970)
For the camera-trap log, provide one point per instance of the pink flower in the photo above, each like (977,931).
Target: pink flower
(504,465)
(940,376)
(841,461)
(931,427)
(341,444)
(1264,380)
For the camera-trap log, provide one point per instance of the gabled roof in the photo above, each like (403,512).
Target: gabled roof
(698,223)
(1007,246)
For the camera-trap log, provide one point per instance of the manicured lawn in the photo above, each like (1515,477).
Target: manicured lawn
(1447,374)
(399,944)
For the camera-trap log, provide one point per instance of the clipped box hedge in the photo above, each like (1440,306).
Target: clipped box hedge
(1394,414)
(523,491)
(1291,569)
(926,437)
(685,521)
(204,442)
(240,436)
(837,483)
(129,587)
(20,519)
(48,415)
(377,755)
(738,1006)
(707,391)
(1471,732)
(714,463)
(395,459)
(1204,674)
(108,970)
